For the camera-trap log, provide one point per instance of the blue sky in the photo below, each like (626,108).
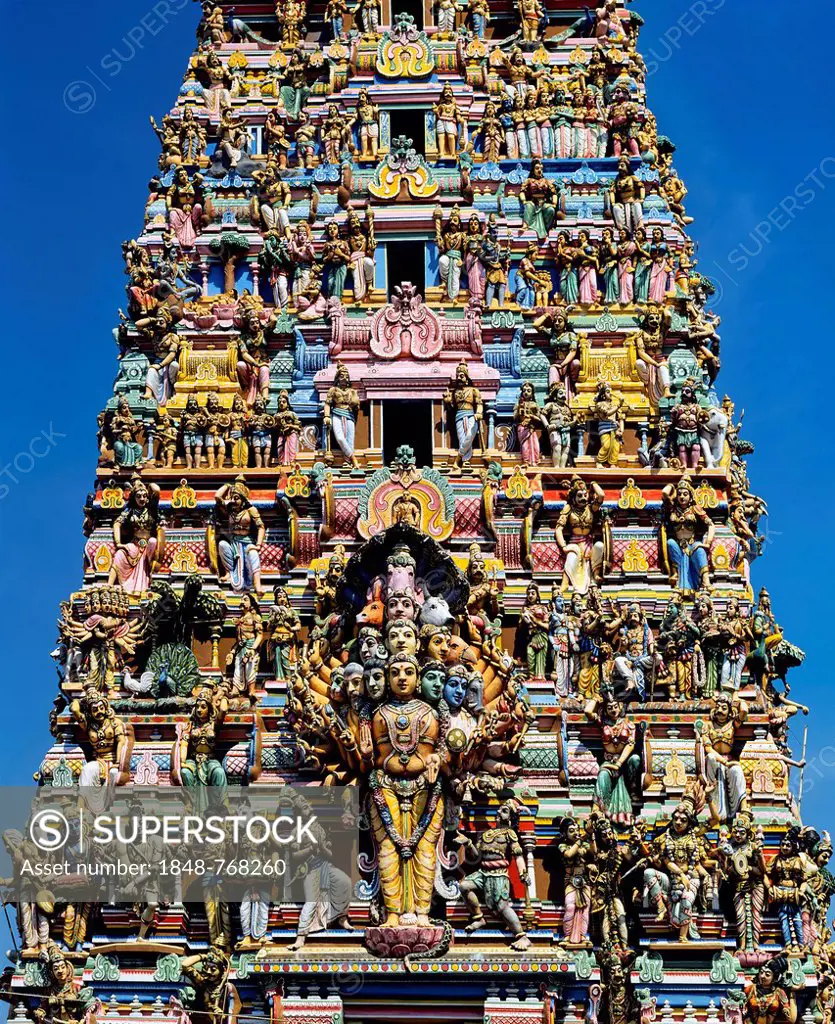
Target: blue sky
(755,149)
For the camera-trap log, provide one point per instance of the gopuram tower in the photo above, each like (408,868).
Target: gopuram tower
(417,481)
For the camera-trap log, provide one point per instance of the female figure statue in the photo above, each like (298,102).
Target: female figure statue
(288,426)
(575,854)
(185,213)
(236,434)
(565,259)
(340,413)
(661,274)
(608,258)
(138,538)
(492,134)
(193,760)
(528,419)
(282,631)
(336,255)
(334,133)
(643,265)
(627,252)
(535,618)
(164,369)
(766,1000)
(472,258)
(620,771)
(687,556)
(607,411)
(588,263)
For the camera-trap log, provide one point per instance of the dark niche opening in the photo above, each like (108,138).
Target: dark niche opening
(408,421)
(409,121)
(405,261)
(413,7)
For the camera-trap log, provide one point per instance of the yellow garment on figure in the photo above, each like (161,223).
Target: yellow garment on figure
(609,449)
(407,884)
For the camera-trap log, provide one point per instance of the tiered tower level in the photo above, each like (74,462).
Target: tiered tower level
(417,388)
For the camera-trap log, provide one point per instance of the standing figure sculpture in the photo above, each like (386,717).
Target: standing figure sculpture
(451,241)
(743,863)
(340,414)
(685,419)
(575,853)
(362,244)
(607,411)
(288,427)
(367,123)
(558,419)
(528,419)
(449,124)
(493,852)
(240,537)
(788,888)
(407,801)
(577,534)
(619,774)
(626,198)
(464,399)
(282,630)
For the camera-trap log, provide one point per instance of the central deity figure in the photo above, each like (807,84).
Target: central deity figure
(408,806)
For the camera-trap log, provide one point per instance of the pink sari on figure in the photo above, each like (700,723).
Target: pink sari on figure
(588,284)
(659,281)
(184,225)
(626,274)
(286,449)
(528,445)
(133,566)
